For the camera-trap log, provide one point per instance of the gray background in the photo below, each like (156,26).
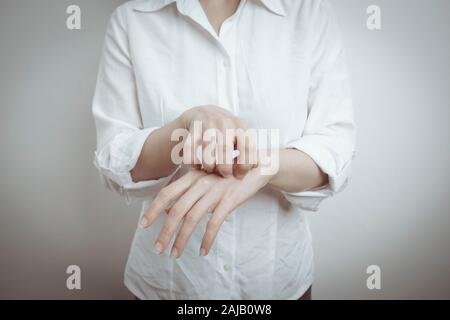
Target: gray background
(54,211)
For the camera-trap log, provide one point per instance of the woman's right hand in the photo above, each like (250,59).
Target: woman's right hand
(219,133)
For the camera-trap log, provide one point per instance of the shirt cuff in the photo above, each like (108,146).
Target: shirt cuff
(329,163)
(118,158)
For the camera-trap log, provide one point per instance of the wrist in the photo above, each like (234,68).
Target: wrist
(182,120)
(268,164)
(188,116)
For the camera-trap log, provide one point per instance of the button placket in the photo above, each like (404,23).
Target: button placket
(227,98)
(230,44)
(221,84)
(224,254)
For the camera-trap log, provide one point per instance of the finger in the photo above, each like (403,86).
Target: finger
(167,195)
(191,220)
(225,147)
(246,159)
(213,226)
(178,211)
(209,150)
(188,150)
(193,140)
(197,141)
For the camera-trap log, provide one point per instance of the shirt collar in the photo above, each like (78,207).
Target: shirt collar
(274,6)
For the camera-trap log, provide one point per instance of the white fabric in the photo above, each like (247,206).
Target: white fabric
(278,64)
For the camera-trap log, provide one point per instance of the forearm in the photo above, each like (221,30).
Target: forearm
(155,159)
(297,172)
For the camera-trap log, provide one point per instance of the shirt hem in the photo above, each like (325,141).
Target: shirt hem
(303,289)
(138,294)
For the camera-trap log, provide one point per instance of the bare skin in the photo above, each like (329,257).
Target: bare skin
(154,165)
(197,193)
(218,11)
(218,189)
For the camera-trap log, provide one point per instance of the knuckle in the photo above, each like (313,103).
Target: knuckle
(220,169)
(225,170)
(207,165)
(180,241)
(175,211)
(179,209)
(245,167)
(191,219)
(208,160)
(207,241)
(157,203)
(213,225)
(165,232)
(164,194)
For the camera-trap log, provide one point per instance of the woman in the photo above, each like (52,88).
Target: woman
(223,229)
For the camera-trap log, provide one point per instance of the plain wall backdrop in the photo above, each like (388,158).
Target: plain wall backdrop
(54,211)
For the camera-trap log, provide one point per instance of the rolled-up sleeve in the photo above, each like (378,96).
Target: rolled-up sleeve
(120,132)
(329,133)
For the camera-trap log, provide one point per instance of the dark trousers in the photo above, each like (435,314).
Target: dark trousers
(305,296)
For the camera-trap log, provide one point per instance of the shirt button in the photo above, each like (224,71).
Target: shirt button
(226,267)
(225,63)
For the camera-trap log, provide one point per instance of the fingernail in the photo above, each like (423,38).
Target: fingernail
(157,248)
(203,252)
(174,253)
(144,222)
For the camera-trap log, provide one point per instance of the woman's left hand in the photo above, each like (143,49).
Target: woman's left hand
(191,197)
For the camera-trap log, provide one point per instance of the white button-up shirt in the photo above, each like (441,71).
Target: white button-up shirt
(277,64)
